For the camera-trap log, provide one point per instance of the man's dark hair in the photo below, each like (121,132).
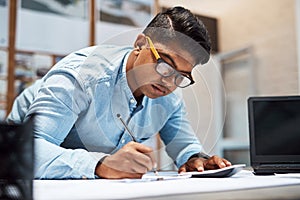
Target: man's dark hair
(180,21)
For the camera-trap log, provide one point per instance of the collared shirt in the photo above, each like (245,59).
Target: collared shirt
(75,109)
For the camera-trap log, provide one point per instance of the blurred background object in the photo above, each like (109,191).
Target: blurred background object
(16,164)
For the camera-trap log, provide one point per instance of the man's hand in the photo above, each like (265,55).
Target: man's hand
(131,161)
(200,164)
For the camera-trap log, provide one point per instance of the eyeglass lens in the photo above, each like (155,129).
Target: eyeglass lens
(166,70)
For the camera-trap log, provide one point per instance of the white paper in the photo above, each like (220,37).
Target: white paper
(165,175)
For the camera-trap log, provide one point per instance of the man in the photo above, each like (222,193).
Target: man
(76,105)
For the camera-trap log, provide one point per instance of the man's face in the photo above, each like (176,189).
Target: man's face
(146,77)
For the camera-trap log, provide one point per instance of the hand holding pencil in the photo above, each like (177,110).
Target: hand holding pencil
(131,161)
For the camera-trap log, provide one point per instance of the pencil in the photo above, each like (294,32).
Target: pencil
(133,139)
(126,127)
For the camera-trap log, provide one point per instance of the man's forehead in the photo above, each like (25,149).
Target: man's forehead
(176,51)
(175,39)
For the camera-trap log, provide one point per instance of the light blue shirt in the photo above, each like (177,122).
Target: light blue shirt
(75,107)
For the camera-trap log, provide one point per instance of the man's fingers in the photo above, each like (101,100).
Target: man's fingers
(227,163)
(216,162)
(182,169)
(140,147)
(153,160)
(195,164)
(200,167)
(140,168)
(145,160)
(199,164)
(143,155)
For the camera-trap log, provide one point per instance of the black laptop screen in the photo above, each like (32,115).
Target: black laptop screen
(277,127)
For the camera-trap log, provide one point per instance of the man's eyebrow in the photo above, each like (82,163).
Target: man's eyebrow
(173,63)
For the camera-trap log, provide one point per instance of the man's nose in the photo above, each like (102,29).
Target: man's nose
(168,81)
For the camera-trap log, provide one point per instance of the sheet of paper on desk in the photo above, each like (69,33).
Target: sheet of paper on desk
(217,173)
(165,175)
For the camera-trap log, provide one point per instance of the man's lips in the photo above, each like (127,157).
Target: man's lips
(160,88)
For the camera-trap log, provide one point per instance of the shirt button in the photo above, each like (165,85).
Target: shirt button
(123,141)
(132,101)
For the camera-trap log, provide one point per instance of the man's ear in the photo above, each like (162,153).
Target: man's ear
(140,41)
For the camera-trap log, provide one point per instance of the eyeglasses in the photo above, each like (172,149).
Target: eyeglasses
(166,70)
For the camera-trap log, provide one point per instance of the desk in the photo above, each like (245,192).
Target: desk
(243,185)
(269,193)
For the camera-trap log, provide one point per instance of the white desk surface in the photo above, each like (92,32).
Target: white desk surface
(243,185)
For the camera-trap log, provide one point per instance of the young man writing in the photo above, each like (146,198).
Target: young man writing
(75,106)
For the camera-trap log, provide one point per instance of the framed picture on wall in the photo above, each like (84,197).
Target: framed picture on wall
(135,13)
(118,16)
(4,23)
(67,8)
(55,26)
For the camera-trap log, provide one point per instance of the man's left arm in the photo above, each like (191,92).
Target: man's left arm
(182,144)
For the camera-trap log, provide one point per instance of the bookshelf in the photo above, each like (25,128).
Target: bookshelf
(238,74)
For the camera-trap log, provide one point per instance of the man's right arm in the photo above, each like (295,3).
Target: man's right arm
(56,108)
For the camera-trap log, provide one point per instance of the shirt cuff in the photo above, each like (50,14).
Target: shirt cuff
(186,153)
(91,167)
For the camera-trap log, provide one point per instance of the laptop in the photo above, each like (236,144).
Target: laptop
(274,128)
(16,163)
